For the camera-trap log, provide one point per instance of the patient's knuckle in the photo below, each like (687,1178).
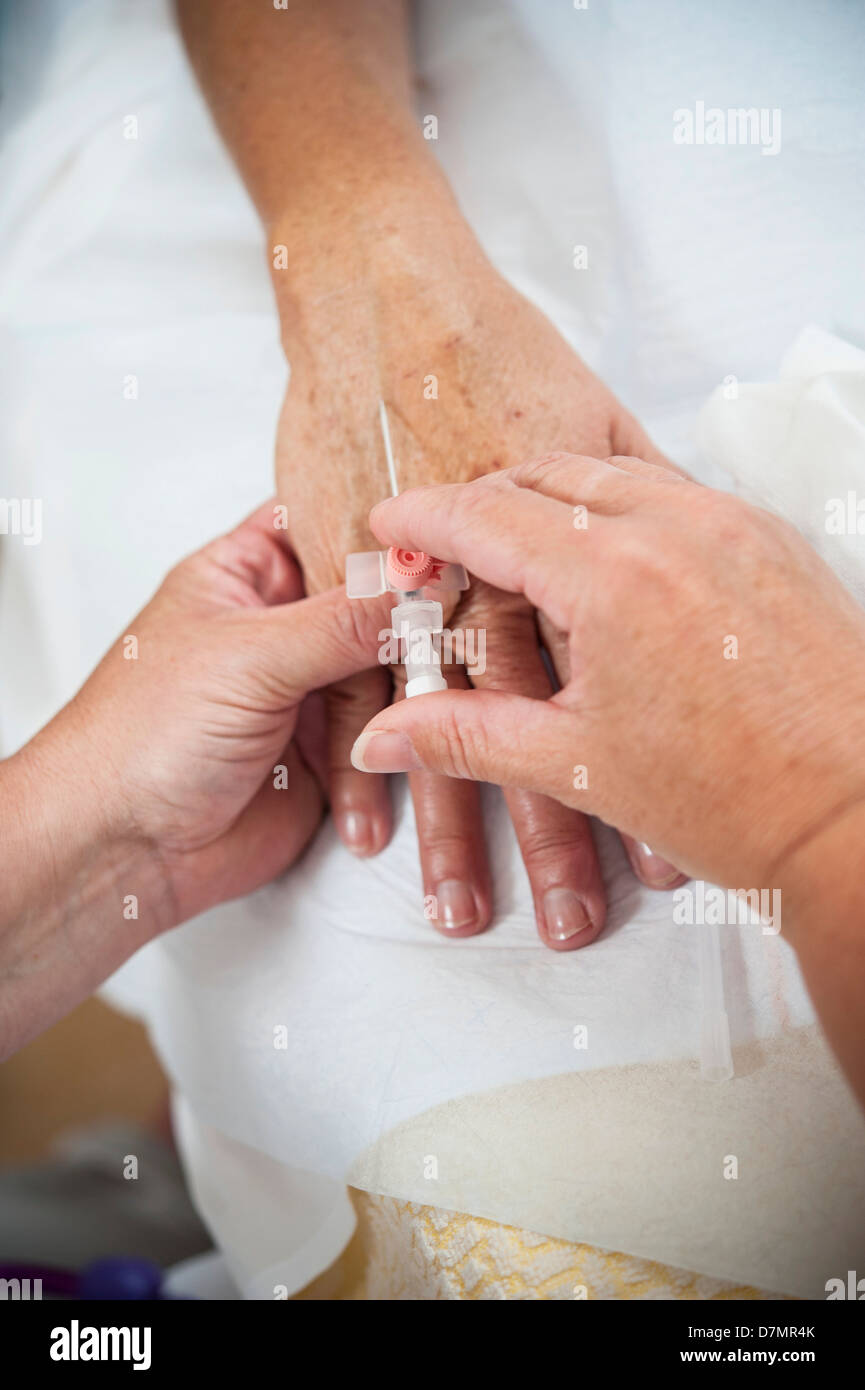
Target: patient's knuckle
(352,700)
(543,844)
(511,643)
(448,844)
(499,675)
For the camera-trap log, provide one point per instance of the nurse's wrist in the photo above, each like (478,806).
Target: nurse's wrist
(820,879)
(83,810)
(80,890)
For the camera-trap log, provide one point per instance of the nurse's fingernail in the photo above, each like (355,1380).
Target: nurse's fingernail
(380,751)
(652,869)
(356,830)
(564,914)
(455,904)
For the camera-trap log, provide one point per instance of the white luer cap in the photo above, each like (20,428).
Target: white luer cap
(426,684)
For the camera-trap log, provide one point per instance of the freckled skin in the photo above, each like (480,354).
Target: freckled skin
(352,352)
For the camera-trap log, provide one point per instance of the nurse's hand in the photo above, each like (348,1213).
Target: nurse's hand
(716,702)
(716,662)
(185,772)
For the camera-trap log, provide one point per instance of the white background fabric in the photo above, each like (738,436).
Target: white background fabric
(143,258)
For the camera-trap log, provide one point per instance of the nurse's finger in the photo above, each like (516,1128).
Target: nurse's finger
(512,537)
(312,643)
(487,736)
(615,486)
(650,868)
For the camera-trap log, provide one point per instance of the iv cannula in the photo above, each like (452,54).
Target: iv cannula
(388,451)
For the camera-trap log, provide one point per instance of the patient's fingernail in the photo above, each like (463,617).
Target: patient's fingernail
(356,830)
(380,751)
(564,914)
(455,904)
(655,871)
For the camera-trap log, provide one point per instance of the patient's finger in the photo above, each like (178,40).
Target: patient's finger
(561,860)
(557,646)
(453,853)
(360,805)
(649,867)
(556,842)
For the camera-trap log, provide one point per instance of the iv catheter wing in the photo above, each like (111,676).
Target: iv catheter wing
(366,575)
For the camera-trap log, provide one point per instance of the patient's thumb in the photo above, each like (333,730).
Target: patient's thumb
(488,736)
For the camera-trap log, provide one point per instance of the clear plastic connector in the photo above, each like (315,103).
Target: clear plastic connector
(417,621)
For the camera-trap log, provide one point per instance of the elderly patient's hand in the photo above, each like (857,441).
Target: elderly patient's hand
(474,378)
(200,746)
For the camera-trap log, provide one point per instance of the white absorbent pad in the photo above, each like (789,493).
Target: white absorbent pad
(797,445)
(320,1032)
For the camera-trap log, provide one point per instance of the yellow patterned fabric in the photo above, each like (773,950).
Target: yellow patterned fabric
(405,1251)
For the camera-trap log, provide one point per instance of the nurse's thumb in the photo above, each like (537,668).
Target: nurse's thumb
(485,735)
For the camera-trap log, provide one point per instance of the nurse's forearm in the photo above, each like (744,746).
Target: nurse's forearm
(824,913)
(79,893)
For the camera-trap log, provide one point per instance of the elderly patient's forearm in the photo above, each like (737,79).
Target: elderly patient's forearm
(314,101)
